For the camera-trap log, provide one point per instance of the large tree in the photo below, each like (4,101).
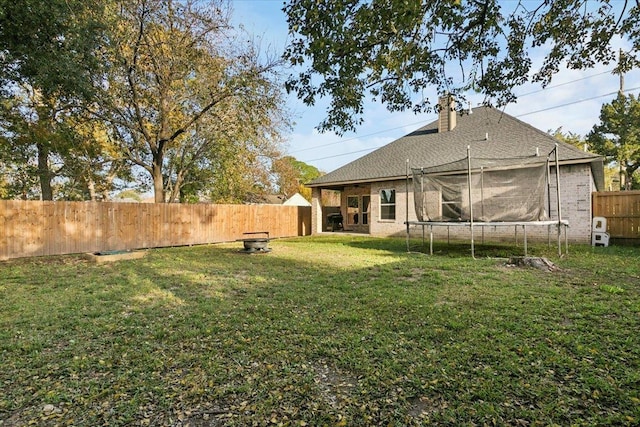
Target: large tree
(55,145)
(291,175)
(18,171)
(611,174)
(37,134)
(177,73)
(227,158)
(49,62)
(617,136)
(395,49)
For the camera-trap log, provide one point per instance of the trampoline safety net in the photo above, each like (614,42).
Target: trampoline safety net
(501,190)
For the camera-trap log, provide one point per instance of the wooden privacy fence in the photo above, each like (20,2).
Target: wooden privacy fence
(32,228)
(622,211)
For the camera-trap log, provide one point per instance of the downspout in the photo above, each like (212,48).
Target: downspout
(548,181)
(473,255)
(482,199)
(406,197)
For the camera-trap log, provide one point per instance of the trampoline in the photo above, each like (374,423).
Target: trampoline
(487,192)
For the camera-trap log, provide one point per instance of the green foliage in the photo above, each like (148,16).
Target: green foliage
(183,88)
(617,137)
(54,151)
(394,49)
(321,331)
(51,70)
(130,194)
(95,93)
(611,174)
(231,170)
(51,44)
(291,175)
(571,138)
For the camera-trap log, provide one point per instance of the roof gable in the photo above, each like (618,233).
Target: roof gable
(297,200)
(488,133)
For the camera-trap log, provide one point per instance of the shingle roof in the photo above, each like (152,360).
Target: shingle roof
(488,132)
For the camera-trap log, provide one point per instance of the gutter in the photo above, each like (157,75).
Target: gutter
(353,182)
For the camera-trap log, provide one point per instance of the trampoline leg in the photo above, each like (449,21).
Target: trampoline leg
(431,240)
(408,236)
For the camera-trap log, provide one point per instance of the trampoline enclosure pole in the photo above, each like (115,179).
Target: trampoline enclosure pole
(406,196)
(473,255)
(558,199)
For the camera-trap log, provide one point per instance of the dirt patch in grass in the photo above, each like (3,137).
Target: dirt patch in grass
(423,407)
(211,417)
(536,262)
(335,386)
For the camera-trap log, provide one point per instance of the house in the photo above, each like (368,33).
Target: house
(274,199)
(377,198)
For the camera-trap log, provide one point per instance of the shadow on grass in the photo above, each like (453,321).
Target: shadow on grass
(454,248)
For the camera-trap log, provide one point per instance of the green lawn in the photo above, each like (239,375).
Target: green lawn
(322,331)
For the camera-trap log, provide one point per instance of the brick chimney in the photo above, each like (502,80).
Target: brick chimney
(446,113)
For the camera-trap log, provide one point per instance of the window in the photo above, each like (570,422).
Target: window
(353,208)
(387,204)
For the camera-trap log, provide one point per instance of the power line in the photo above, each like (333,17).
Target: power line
(519,115)
(427,121)
(574,102)
(564,84)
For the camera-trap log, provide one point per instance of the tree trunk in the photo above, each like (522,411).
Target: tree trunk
(91,187)
(177,189)
(158,184)
(44,174)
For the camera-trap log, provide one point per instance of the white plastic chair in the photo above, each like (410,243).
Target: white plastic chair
(599,235)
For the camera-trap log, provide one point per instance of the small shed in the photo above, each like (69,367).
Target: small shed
(297,200)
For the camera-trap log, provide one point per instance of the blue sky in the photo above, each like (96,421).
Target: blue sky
(572,100)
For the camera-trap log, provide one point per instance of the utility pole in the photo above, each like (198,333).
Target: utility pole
(621,175)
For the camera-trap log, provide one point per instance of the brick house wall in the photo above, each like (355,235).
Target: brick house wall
(576,186)
(316,210)
(380,227)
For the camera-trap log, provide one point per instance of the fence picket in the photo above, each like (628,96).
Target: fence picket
(34,228)
(622,210)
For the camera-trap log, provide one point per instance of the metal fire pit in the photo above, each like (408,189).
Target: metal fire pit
(258,244)
(335,219)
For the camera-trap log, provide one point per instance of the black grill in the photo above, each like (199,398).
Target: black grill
(335,220)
